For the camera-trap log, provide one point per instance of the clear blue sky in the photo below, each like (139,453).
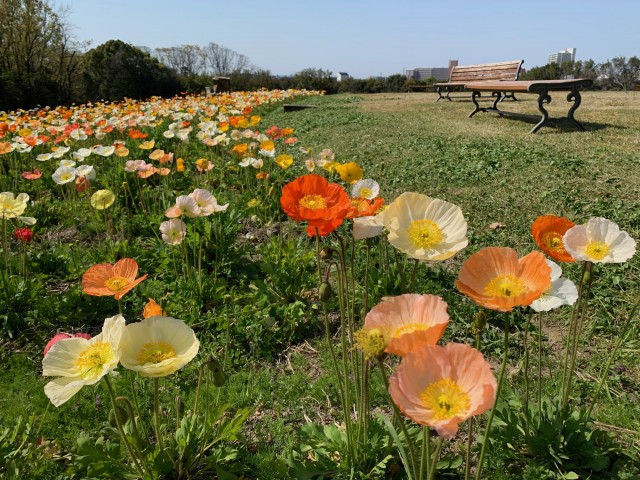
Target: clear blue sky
(369,38)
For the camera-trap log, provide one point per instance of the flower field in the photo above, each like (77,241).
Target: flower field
(377,287)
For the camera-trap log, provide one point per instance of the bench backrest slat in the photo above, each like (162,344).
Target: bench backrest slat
(487,71)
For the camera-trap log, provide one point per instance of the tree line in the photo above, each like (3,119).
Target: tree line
(42,64)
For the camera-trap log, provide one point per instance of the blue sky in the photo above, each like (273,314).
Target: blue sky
(369,38)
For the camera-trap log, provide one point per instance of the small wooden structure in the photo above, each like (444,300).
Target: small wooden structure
(463,74)
(221,84)
(539,87)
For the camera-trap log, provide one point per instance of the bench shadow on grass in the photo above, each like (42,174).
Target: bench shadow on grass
(558,123)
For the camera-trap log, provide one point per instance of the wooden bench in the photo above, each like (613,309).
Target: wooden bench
(463,74)
(539,87)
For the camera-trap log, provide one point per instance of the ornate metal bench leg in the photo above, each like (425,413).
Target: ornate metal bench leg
(499,97)
(447,95)
(440,97)
(574,97)
(474,99)
(543,98)
(511,95)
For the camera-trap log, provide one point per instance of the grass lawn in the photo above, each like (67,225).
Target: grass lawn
(256,310)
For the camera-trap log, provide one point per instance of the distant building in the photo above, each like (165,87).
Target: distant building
(342,76)
(568,55)
(439,73)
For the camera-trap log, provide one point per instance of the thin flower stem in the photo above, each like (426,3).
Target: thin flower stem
(467,465)
(136,431)
(539,368)
(112,395)
(527,427)
(396,410)
(425,462)
(612,356)
(434,460)
(156,418)
(413,275)
(584,299)
(487,431)
(571,329)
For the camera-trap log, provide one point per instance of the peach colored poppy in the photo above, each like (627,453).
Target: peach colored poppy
(548,231)
(81,184)
(443,386)
(105,279)
(496,278)
(36,174)
(408,322)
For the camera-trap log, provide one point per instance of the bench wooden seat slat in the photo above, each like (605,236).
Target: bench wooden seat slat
(462,74)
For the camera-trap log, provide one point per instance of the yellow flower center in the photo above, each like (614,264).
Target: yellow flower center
(505,286)
(65,176)
(313,202)
(596,250)
(366,192)
(425,233)
(370,342)
(446,399)
(155,352)
(554,242)
(93,358)
(115,284)
(409,328)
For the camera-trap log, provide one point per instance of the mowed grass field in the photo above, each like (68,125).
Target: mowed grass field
(503,178)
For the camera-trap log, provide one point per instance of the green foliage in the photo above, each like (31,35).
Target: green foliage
(321,454)
(38,61)
(555,442)
(115,70)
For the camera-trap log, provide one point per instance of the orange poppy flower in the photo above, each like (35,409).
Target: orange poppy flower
(496,278)
(361,207)
(311,197)
(443,386)
(548,231)
(152,309)
(408,322)
(137,134)
(105,279)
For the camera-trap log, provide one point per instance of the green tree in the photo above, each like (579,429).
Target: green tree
(39,60)
(315,79)
(115,70)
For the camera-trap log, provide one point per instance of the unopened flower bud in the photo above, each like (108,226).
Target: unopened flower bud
(272,191)
(479,322)
(326,253)
(325,292)
(219,377)
(123,414)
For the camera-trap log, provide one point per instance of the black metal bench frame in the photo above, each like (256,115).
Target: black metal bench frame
(542,89)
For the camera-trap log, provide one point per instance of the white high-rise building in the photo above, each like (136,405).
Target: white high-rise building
(568,55)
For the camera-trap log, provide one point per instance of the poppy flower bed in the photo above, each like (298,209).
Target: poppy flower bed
(162,261)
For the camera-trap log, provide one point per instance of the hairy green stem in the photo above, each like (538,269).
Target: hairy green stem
(112,395)
(487,431)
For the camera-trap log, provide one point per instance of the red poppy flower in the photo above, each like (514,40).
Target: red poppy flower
(311,197)
(23,234)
